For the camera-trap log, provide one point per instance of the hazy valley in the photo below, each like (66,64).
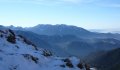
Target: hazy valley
(70,41)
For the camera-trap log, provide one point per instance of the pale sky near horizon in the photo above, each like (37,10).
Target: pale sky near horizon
(89,14)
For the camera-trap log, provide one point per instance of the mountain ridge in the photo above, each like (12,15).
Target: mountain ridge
(62,29)
(18,53)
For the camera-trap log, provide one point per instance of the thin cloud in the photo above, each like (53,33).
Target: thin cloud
(108,3)
(49,1)
(103,3)
(78,1)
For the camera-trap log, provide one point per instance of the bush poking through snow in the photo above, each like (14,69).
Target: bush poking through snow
(66,60)
(68,63)
(47,53)
(1,35)
(17,46)
(87,67)
(11,38)
(35,59)
(30,57)
(80,65)
(62,66)
(14,67)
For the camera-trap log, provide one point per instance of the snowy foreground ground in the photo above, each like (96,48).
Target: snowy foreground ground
(16,53)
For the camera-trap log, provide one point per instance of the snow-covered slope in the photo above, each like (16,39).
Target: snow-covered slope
(17,53)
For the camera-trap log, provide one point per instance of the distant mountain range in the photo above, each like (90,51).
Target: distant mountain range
(71,40)
(67,30)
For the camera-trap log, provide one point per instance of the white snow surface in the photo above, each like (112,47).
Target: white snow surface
(18,56)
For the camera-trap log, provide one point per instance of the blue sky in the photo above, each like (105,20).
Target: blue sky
(89,14)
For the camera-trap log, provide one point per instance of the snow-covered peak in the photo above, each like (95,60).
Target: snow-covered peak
(18,53)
